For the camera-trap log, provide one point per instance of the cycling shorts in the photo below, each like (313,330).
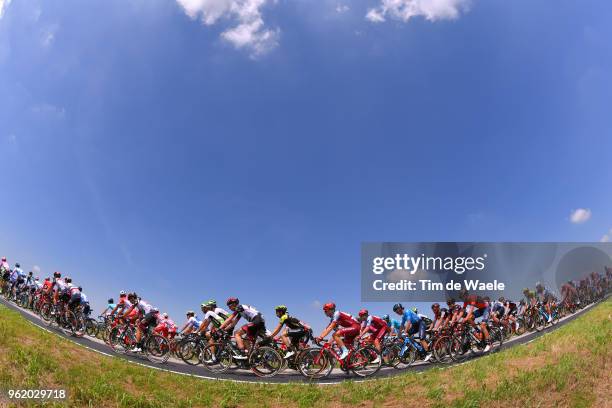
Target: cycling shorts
(75,300)
(148,321)
(349,333)
(296,335)
(419,327)
(257,327)
(484,313)
(379,332)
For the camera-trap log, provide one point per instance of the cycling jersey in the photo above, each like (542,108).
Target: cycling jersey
(222,312)
(374,322)
(214,318)
(16,274)
(475,301)
(344,319)
(249,313)
(143,307)
(73,289)
(84,298)
(194,323)
(394,325)
(291,322)
(410,316)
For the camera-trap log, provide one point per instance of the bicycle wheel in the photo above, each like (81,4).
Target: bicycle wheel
(409,355)
(365,361)
(71,323)
(45,312)
(190,351)
(265,361)
(390,355)
(117,340)
(91,327)
(314,362)
(441,349)
(217,357)
(157,349)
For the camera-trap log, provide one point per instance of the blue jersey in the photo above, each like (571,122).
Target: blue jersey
(410,316)
(395,325)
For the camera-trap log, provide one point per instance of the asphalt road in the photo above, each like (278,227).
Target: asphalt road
(288,376)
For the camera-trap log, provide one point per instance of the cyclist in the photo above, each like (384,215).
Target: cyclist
(144,313)
(374,325)
(166,327)
(122,305)
(476,307)
(212,315)
(441,317)
(349,328)
(192,324)
(295,332)
(547,298)
(498,310)
(393,324)
(412,324)
(16,279)
(569,293)
(110,306)
(511,310)
(85,303)
(256,325)
(73,293)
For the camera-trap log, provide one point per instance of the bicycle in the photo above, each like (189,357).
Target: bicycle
(318,362)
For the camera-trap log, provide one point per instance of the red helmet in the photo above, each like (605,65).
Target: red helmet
(329,306)
(232,301)
(363,312)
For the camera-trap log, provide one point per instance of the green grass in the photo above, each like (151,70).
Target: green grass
(569,367)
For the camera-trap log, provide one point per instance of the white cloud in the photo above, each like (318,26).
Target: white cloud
(580,215)
(342,8)
(404,10)
(47,35)
(249,31)
(607,237)
(3,5)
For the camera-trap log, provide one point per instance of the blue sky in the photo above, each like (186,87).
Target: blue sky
(193,149)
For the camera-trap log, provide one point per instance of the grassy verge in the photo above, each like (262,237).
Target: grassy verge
(568,368)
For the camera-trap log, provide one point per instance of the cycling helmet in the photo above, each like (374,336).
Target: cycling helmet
(17,265)
(80,288)
(111,300)
(30,273)
(363,312)
(329,306)
(232,301)
(525,290)
(165,315)
(57,274)
(68,279)
(122,293)
(154,310)
(4,259)
(397,307)
(435,306)
(211,302)
(450,301)
(190,313)
(501,299)
(37,278)
(415,310)
(281,308)
(539,285)
(386,317)
(47,279)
